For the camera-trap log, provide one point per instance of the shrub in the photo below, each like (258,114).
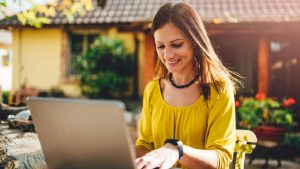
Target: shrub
(104,71)
(5,96)
(261,110)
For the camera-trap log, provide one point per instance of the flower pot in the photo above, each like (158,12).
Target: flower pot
(269,133)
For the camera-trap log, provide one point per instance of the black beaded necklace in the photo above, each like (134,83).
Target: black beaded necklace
(185,85)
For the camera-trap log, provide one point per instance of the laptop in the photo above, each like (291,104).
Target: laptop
(77,133)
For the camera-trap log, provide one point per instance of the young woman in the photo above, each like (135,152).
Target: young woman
(188,116)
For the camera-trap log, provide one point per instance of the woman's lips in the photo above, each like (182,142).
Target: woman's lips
(174,62)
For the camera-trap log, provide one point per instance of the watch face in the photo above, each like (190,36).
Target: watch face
(172,141)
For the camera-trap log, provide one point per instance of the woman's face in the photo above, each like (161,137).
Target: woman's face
(174,49)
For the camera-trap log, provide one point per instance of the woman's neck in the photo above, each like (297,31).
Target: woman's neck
(183,78)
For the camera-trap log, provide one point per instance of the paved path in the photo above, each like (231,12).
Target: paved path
(25,147)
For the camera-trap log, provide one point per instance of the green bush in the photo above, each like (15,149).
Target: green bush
(104,71)
(261,110)
(56,92)
(5,96)
(292,139)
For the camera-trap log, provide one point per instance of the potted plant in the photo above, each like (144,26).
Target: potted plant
(269,118)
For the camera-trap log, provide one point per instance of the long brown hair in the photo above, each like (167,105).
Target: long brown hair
(211,69)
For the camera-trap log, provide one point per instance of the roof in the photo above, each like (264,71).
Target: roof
(211,11)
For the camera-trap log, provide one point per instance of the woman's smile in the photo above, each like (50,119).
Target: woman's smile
(173,63)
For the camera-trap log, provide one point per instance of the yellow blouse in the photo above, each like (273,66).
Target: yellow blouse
(206,125)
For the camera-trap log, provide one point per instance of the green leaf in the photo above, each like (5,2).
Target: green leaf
(22,19)
(44,20)
(70,18)
(3,4)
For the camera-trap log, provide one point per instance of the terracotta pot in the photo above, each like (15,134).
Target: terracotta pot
(269,133)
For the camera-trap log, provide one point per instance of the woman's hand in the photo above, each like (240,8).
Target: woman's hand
(163,158)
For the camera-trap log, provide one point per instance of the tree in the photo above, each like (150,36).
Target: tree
(41,10)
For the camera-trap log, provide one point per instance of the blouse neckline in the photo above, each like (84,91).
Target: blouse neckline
(157,85)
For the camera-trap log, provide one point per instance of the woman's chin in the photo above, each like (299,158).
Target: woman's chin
(173,70)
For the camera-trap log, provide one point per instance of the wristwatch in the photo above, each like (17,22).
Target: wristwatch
(178,144)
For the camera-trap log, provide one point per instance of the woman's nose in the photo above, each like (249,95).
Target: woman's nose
(169,53)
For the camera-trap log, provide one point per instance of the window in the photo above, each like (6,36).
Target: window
(5,69)
(79,44)
(239,55)
(284,67)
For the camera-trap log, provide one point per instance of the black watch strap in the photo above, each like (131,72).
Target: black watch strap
(178,144)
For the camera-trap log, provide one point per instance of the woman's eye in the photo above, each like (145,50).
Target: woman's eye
(160,46)
(177,45)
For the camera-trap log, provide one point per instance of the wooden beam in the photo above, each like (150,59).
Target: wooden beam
(149,61)
(263,66)
(64,55)
(254,28)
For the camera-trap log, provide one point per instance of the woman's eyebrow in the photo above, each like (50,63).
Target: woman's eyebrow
(176,40)
(170,41)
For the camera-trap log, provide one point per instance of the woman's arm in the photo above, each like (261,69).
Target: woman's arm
(166,156)
(197,158)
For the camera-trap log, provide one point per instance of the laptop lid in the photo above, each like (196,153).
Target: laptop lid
(78,133)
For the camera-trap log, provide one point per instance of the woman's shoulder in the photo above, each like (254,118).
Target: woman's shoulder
(151,88)
(220,88)
(151,91)
(151,85)
(222,98)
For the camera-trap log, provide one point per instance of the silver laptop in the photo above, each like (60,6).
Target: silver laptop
(82,133)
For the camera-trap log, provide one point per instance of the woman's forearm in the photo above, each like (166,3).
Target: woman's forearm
(196,158)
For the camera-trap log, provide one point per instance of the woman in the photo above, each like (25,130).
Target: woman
(188,116)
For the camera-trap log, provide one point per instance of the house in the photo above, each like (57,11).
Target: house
(257,38)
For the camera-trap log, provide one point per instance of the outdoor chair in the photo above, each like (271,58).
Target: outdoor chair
(246,141)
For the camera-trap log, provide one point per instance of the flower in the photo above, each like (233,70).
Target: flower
(237,103)
(260,96)
(289,102)
(262,110)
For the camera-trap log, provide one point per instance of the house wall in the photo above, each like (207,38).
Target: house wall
(39,58)
(127,37)
(36,57)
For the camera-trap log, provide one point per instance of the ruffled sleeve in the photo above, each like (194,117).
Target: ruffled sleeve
(220,134)
(145,137)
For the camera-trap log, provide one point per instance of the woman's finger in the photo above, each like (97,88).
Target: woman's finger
(141,163)
(155,161)
(146,160)
(165,165)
